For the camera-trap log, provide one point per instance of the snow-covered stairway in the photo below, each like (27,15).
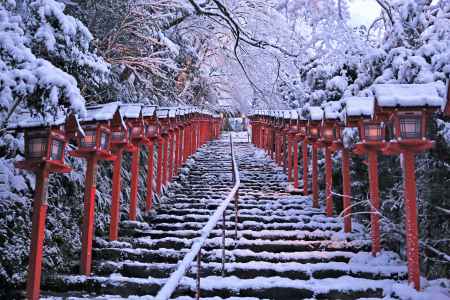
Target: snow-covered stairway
(286,249)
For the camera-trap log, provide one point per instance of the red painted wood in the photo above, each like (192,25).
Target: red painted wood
(412,232)
(150,165)
(170,156)
(115,202)
(159,166)
(295,170)
(375,201)
(315,186)
(134,183)
(178,151)
(165,160)
(186,144)
(87,232)
(289,160)
(37,235)
(346,187)
(305,167)
(328,182)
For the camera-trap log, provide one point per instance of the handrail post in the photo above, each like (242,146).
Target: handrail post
(223,243)
(199,266)
(236,217)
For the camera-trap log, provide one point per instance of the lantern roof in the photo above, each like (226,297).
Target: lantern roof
(358,107)
(162,112)
(293,114)
(102,112)
(131,110)
(407,95)
(332,109)
(23,120)
(312,113)
(148,110)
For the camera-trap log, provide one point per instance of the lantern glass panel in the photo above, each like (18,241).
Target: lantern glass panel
(328,134)
(57,150)
(151,131)
(89,139)
(373,132)
(37,147)
(118,136)
(410,127)
(104,140)
(314,132)
(136,132)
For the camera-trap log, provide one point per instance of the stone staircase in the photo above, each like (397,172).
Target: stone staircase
(285,248)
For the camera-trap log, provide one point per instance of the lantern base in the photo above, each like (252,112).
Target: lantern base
(416,146)
(101,154)
(35,166)
(363,148)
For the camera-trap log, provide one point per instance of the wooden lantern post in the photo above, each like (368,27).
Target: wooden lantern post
(372,133)
(163,118)
(286,120)
(180,138)
(44,154)
(293,131)
(315,116)
(270,142)
(120,142)
(279,137)
(171,148)
(408,108)
(329,136)
(187,135)
(302,137)
(152,137)
(132,115)
(355,110)
(338,145)
(93,145)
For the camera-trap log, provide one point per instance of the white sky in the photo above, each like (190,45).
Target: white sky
(363,12)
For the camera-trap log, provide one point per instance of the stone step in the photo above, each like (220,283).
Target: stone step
(255,269)
(345,287)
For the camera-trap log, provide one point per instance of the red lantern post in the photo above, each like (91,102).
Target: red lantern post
(44,154)
(152,136)
(120,142)
(93,145)
(329,136)
(132,114)
(372,135)
(315,116)
(407,108)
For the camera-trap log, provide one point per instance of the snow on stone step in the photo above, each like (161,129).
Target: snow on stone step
(248,270)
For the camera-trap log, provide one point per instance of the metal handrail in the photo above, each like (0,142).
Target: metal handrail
(172,283)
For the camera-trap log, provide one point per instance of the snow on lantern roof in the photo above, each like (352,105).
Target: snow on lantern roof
(131,110)
(103,112)
(148,110)
(172,112)
(407,95)
(25,120)
(286,114)
(331,109)
(162,112)
(358,106)
(294,115)
(313,113)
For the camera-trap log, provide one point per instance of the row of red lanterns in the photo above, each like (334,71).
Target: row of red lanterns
(105,133)
(393,122)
